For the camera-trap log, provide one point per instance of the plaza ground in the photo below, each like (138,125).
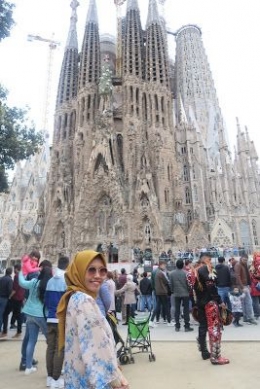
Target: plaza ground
(178,363)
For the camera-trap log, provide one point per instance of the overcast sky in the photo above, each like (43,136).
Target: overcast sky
(230,32)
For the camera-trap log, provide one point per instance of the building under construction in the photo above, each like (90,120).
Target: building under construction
(140,157)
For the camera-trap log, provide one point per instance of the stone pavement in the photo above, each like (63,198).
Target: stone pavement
(178,363)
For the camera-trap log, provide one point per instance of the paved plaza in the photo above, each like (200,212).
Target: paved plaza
(178,363)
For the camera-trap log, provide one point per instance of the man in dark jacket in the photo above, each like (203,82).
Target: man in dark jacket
(223,281)
(180,290)
(146,293)
(6,287)
(162,291)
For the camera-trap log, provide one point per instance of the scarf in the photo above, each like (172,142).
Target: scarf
(75,280)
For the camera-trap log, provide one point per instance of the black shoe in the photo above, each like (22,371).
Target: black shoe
(177,329)
(13,327)
(22,367)
(188,329)
(205,354)
(124,324)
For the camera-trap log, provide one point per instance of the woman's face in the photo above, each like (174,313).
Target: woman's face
(95,275)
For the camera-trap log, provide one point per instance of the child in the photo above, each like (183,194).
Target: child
(236,301)
(29,265)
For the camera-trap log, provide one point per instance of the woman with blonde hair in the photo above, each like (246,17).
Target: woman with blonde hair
(90,355)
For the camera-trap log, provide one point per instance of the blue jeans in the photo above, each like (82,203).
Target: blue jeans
(33,325)
(256,305)
(223,292)
(3,303)
(247,305)
(146,302)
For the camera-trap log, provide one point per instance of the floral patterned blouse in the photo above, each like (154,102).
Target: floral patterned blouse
(90,355)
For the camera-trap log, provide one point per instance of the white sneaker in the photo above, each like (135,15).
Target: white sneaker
(152,324)
(59,383)
(30,371)
(171,324)
(49,381)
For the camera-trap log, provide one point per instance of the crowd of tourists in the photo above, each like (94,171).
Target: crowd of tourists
(69,305)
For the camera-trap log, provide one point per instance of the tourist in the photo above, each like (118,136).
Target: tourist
(208,303)
(255,284)
(223,281)
(103,299)
(55,289)
(6,287)
(236,299)
(89,356)
(16,304)
(129,296)
(180,290)
(34,310)
(111,288)
(146,293)
(121,282)
(162,291)
(243,282)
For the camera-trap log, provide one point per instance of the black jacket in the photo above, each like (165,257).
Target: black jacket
(223,276)
(145,286)
(205,288)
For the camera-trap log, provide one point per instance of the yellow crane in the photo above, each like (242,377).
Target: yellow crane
(53,44)
(118,4)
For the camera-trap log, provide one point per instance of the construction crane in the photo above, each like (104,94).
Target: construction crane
(118,4)
(53,44)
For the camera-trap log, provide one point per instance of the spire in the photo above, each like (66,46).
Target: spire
(238,127)
(92,16)
(67,88)
(153,14)
(157,60)
(133,46)
(181,112)
(132,5)
(90,67)
(72,41)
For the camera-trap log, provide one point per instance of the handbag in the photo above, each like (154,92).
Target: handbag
(226,316)
(195,313)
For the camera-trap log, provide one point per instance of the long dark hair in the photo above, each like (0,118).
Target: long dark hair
(44,276)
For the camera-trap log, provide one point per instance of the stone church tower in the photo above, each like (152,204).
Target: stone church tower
(140,157)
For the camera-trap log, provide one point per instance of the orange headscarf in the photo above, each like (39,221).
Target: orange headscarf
(75,279)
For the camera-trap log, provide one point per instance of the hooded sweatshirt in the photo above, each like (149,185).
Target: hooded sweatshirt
(56,287)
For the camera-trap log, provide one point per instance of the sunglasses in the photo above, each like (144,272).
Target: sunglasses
(102,271)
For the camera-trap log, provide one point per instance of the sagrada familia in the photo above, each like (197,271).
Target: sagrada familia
(139,157)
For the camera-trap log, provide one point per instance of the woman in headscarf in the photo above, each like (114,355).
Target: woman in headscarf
(90,354)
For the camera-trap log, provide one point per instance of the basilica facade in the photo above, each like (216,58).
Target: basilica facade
(139,157)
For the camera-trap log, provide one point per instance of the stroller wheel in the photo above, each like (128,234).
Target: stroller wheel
(123,359)
(153,358)
(132,360)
